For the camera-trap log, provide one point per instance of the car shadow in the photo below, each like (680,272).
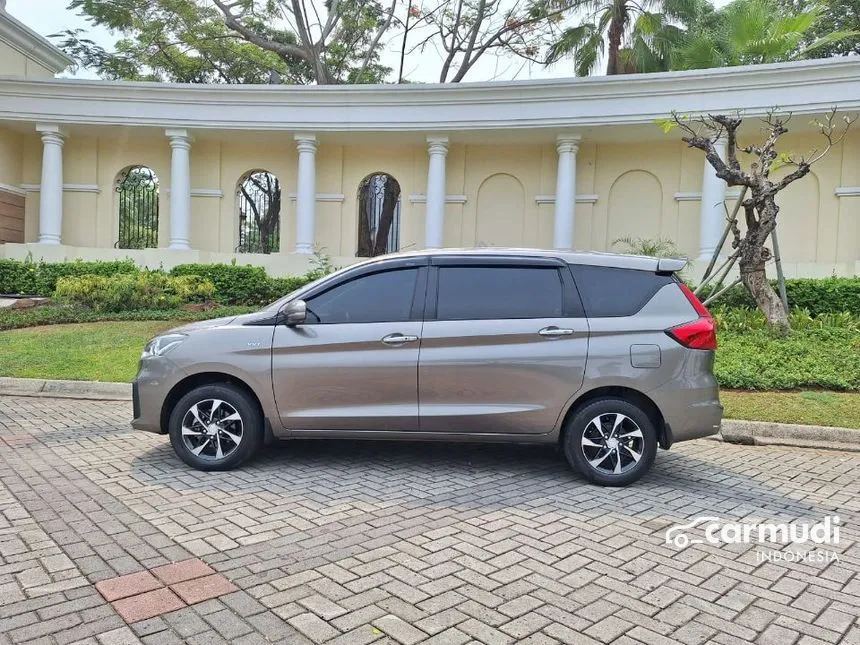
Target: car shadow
(485,476)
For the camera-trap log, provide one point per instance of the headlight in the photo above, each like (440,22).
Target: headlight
(162,344)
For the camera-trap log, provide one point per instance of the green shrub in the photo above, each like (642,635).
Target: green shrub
(40,278)
(741,319)
(234,285)
(56,315)
(126,292)
(245,285)
(814,357)
(817,295)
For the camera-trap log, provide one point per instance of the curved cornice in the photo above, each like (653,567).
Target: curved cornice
(802,87)
(31,44)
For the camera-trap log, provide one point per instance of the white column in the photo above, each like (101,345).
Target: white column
(712,217)
(51,189)
(180,188)
(437,147)
(565,192)
(306,192)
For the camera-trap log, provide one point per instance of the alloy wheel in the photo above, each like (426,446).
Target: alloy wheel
(612,443)
(212,429)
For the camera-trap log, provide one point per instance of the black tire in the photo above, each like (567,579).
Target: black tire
(222,436)
(582,455)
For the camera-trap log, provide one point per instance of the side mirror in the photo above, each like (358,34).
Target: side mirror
(294,313)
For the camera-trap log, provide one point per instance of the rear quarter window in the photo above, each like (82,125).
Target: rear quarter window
(609,292)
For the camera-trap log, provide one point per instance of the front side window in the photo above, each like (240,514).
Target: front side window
(486,293)
(379,297)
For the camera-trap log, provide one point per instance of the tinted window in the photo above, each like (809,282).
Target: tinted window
(379,297)
(482,293)
(609,291)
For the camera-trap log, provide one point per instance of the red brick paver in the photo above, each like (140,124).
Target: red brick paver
(128,585)
(180,571)
(200,589)
(147,605)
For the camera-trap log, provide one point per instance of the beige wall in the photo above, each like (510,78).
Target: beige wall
(636,187)
(15,63)
(11,157)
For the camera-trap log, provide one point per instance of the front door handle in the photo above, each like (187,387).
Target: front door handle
(398,339)
(554,332)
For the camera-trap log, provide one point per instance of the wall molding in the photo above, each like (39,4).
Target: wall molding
(15,190)
(421,198)
(697,196)
(555,105)
(67,188)
(207,192)
(847,191)
(321,197)
(584,198)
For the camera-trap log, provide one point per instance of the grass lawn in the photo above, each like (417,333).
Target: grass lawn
(106,351)
(109,351)
(806,407)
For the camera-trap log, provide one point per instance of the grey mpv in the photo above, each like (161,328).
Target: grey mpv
(607,356)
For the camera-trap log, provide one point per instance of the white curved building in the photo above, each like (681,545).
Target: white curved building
(573,163)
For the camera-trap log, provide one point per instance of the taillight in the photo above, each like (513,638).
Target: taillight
(698,334)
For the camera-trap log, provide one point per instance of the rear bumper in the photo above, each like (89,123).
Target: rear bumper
(690,406)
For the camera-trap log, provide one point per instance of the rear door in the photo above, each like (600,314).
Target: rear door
(503,347)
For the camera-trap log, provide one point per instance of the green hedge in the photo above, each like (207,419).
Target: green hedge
(56,315)
(234,284)
(127,292)
(40,278)
(816,295)
(815,357)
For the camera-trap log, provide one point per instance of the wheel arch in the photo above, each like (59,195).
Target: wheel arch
(664,433)
(181,388)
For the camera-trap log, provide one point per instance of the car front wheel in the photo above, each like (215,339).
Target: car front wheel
(216,427)
(611,442)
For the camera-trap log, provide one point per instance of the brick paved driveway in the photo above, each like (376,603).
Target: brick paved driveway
(394,543)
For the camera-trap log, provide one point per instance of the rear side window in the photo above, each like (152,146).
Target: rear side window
(487,293)
(610,292)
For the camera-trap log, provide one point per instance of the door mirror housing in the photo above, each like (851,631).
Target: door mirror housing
(294,313)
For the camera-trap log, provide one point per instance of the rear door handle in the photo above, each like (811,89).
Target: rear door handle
(554,332)
(398,339)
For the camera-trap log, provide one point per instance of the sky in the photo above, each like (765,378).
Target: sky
(51,16)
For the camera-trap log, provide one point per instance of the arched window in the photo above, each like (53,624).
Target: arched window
(259,199)
(378,215)
(137,190)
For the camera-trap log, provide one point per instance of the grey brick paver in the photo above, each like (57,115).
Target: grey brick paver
(383,543)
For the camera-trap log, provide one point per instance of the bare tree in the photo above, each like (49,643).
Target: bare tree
(265,207)
(371,202)
(339,46)
(466,30)
(760,208)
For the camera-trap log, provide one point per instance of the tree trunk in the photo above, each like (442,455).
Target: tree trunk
(767,300)
(616,32)
(753,257)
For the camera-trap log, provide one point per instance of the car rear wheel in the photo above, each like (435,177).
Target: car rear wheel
(610,441)
(216,427)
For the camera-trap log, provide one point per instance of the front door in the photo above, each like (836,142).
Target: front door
(504,351)
(354,364)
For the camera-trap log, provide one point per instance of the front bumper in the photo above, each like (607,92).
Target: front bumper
(155,378)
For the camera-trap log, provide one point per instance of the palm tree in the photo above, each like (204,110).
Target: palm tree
(749,32)
(637,36)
